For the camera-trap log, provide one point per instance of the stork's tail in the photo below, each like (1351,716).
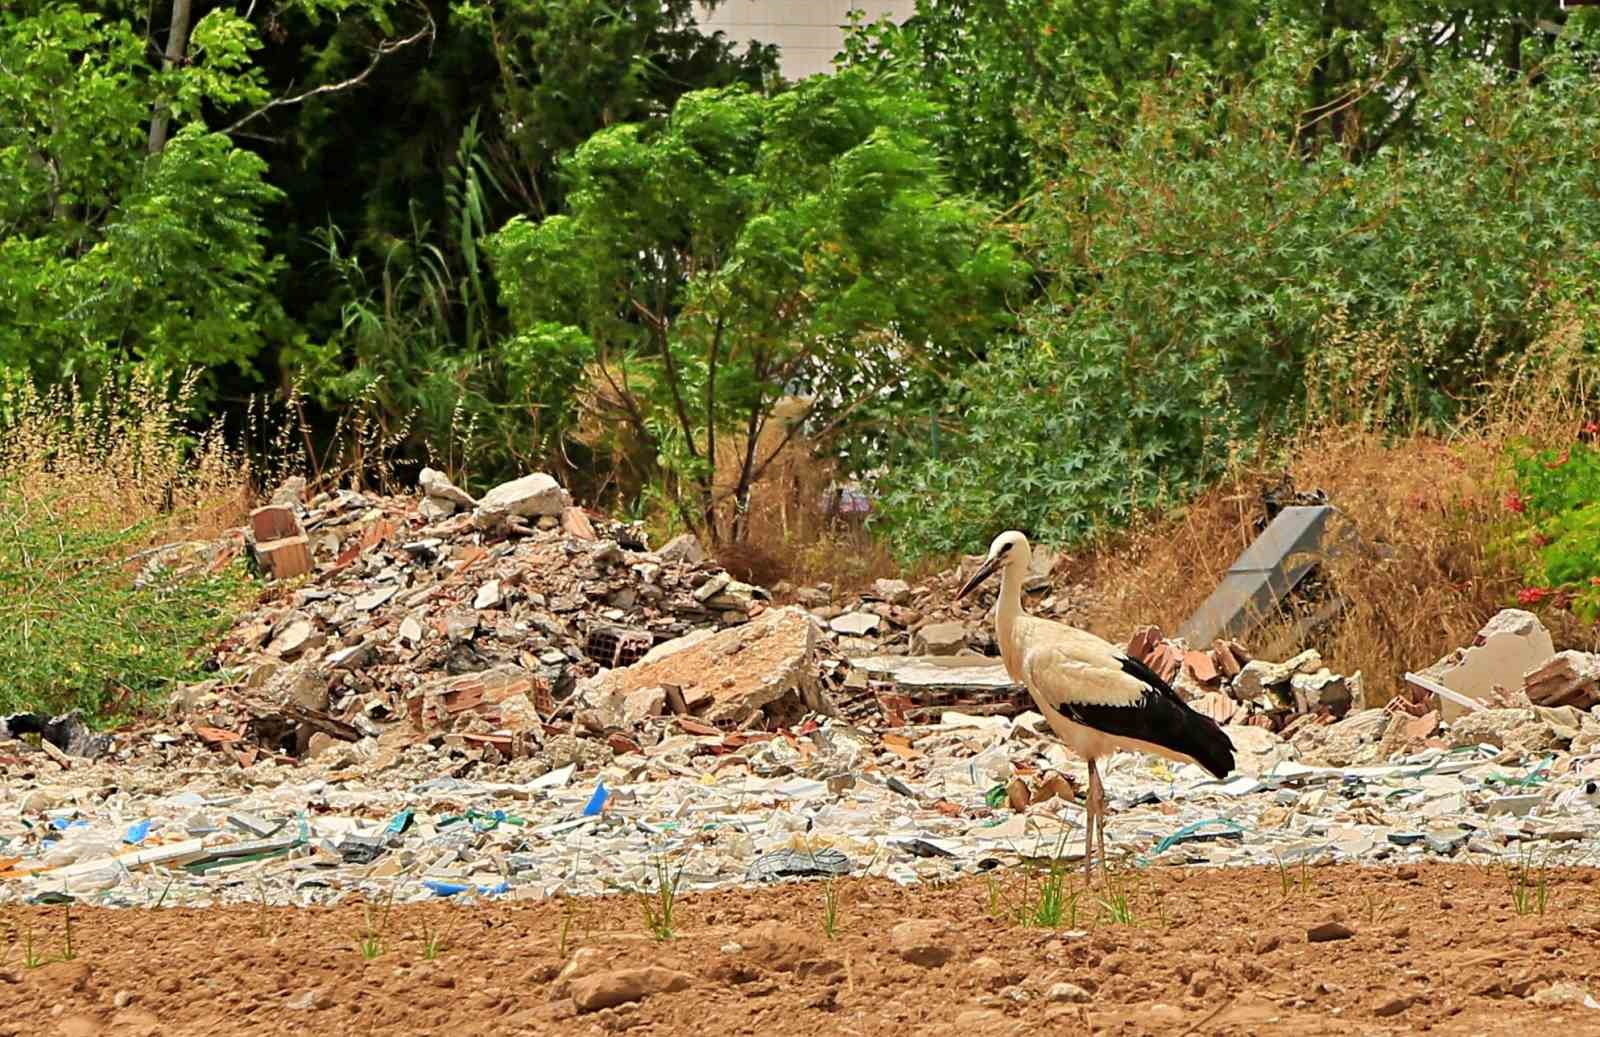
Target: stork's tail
(1193,734)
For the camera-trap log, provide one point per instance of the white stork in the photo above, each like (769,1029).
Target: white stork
(1095,697)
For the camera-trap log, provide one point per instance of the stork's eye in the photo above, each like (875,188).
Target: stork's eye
(1591,788)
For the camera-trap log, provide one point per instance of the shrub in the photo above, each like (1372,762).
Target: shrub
(89,618)
(1203,263)
(1558,494)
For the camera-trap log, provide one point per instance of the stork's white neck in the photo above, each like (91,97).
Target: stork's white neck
(1009,607)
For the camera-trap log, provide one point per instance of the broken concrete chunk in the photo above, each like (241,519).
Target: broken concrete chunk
(435,509)
(488,596)
(712,587)
(683,549)
(740,669)
(295,638)
(643,703)
(1323,689)
(375,597)
(527,497)
(437,485)
(939,639)
(855,624)
(895,592)
(1512,643)
(1258,675)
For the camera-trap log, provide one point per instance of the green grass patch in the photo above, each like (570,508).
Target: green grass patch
(78,630)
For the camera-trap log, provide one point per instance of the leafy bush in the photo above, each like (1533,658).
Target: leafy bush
(1558,493)
(748,250)
(76,630)
(1204,266)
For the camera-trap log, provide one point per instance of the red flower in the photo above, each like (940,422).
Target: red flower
(1531,595)
(1514,502)
(1591,428)
(1539,539)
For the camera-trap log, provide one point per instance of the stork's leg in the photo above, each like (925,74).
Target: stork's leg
(1100,822)
(1091,815)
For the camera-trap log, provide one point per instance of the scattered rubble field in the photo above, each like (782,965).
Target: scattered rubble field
(1346,950)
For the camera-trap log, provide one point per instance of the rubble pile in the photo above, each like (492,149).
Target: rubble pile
(444,616)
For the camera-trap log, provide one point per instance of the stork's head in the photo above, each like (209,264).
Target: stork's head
(1010,549)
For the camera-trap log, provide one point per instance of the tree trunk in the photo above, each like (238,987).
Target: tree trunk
(177,43)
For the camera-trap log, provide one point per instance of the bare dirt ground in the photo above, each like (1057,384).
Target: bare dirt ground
(1441,951)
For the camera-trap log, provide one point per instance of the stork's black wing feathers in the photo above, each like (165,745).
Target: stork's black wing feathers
(1159,717)
(1136,668)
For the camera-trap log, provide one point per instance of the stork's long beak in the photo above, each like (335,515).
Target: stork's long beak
(984,572)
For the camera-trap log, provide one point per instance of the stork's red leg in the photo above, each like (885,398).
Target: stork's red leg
(1091,815)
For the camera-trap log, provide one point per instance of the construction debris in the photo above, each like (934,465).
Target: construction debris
(1567,679)
(514,697)
(1507,647)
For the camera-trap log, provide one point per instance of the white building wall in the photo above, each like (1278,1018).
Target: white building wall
(808,32)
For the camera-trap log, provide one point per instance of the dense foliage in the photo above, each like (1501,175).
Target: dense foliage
(1210,279)
(1039,263)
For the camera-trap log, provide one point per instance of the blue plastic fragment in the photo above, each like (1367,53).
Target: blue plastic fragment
(137,832)
(597,801)
(61,824)
(450,889)
(1190,833)
(399,822)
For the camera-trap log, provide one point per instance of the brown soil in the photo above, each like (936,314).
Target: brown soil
(1209,952)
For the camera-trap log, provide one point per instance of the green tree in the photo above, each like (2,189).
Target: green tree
(107,255)
(446,144)
(748,249)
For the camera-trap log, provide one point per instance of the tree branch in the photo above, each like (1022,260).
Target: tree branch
(384,49)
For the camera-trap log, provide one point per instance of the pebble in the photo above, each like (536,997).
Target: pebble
(1329,931)
(921,942)
(1066,993)
(309,1000)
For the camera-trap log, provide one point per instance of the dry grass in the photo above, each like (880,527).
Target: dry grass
(87,482)
(791,534)
(1429,509)
(121,458)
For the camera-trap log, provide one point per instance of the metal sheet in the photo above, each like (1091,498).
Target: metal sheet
(1271,567)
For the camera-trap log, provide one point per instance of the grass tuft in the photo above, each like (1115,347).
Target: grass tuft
(370,941)
(1292,881)
(830,909)
(433,939)
(1530,885)
(659,905)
